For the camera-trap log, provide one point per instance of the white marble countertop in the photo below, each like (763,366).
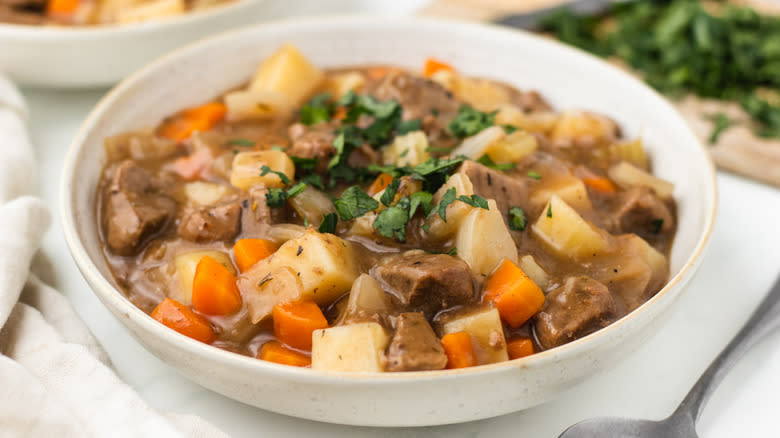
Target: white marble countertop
(742,263)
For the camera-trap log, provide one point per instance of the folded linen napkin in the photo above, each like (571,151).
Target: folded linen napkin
(55,378)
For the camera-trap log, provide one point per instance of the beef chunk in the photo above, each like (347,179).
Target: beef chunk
(579,307)
(508,192)
(312,142)
(135,209)
(418,96)
(529,101)
(211,224)
(414,346)
(256,215)
(426,282)
(638,210)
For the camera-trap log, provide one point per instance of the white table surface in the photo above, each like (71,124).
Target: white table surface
(742,263)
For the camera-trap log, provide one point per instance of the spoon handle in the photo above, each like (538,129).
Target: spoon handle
(765,318)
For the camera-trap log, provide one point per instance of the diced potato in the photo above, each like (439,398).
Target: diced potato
(287,72)
(203,193)
(626,175)
(483,240)
(650,255)
(340,84)
(324,263)
(512,147)
(440,230)
(528,264)
(150,10)
(445,78)
(570,189)
(366,299)
(482,94)
(185,265)
(583,128)
(542,121)
(569,235)
(364,225)
(352,348)
(487,335)
(245,105)
(312,205)
(279,285)
(281,233)
(477,145)
(406,149)
(246,169)
(630,151)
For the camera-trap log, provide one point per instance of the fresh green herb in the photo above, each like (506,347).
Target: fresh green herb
(328,224)
(389,194)
(420,199)
(265,170)
(426,228)
(354,202)
(435,112)
(437,150)
(235,151)
(474,201)
(304,163)
(517,219)
(721,123)
(313,180)
(404,153)
(485,160)
(435,171)
(318,110)
(391,222)
(305,222)
(549,210)
(681,47)
(276,197)
(447,199)
(657,225)
(470,121)
(409,126)
(241,142)
(453,252)
(296,189)
(277,147)
(509,129)
(534,175)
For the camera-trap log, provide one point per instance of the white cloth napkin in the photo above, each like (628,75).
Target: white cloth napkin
(55,378)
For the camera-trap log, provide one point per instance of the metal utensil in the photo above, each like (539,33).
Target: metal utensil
(682,422)
(530,20)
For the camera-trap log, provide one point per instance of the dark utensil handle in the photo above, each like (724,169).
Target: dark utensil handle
(764,319)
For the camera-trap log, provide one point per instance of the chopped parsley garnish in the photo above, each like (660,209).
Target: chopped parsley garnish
(276,197)
(241,142)
(517,219)
(509,129)
(453,252)
(265,170)
(437,150)
(297,188)
(549,210)
(328,224)
(657,225)
(304,163)
(448,198)
(404,153)
(470,121)
(354,202)
(409,126)
(277,147)
(534,175)
(313,180)
(389,194)
(391,222)
(474,201)
(721,123)
(485,160)
(426,228)
(319,109)
(422,200)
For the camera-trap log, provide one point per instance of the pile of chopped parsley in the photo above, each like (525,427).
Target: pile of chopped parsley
(680,47)
(380,123)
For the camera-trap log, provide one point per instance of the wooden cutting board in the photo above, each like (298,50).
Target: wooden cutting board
(738,150)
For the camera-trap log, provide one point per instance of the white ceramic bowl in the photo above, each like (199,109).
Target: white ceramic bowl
(79,57)
(567,77)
